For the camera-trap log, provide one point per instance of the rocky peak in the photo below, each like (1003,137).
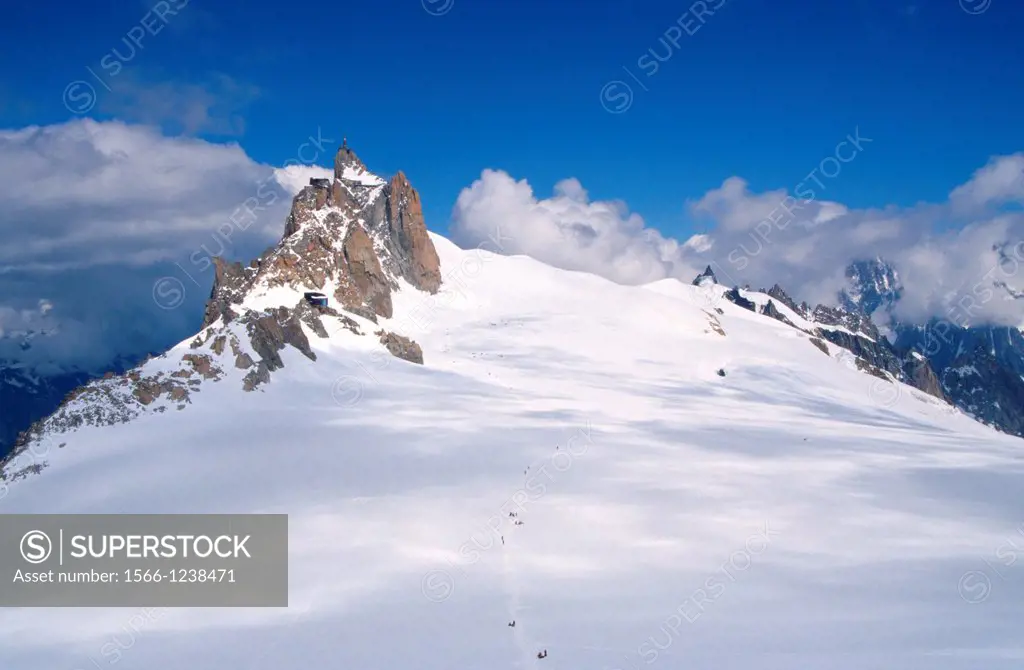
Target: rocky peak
(872,284)
(734,296)
(708,276)
(354,238)
(412,254)
(919,373)
(346,162)
(779,294)
(854,321)
(771,310)
(987,389)
(357,238)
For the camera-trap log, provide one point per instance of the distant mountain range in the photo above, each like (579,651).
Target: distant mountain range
(979,367)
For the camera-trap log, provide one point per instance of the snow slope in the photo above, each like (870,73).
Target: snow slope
(794,514)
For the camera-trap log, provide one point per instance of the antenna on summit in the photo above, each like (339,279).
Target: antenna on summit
(344,143)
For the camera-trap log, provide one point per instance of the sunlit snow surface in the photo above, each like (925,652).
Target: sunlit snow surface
(793,514)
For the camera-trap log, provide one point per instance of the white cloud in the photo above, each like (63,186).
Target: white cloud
(734,208)
(566,230)
(943,251)
(295,177)
(941,257)
(1001,181)
(86,193)
(95,213)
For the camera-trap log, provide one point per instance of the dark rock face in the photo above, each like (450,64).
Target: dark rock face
(229,283)
(708,276)
(995,353)
(875,354)
(920,374)
(257,377)
(310,317)
(820,344)
(852,321)
(984,387)
(943,342)
(777,293)
(202,365)
(271,331)
(733,296)
(953,350)
(401,347)
(873,284)
(771,310)
(367,285)
(412,253)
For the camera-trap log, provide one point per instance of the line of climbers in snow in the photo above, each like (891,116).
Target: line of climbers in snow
(516,521)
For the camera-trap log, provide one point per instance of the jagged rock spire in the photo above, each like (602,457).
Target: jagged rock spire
(346,158)
(704,277)
(780,294)
(358,235)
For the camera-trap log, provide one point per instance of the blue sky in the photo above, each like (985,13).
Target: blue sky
(760,90)
(128,142)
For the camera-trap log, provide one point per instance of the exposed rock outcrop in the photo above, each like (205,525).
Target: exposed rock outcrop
(270,331)
(706,277)
(401,347)
(229,283)
(986,389)
(777,293)
(733,296)
(820,344)
(872,353)
(771,310)
(412,253)
(366,287)
(354,238)
(920,374)
(853,321)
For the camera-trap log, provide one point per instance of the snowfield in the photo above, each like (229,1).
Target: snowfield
(793,514)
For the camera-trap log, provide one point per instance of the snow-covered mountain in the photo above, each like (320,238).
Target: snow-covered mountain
(27,393)
(874,285)
(680,475)
(980,367)
(33,384)
(31,391)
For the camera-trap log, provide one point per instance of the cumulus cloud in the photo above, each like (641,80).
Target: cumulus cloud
(968,245)
(942,252)
(566,230)
(999,182)
(295,177)
(95,213)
